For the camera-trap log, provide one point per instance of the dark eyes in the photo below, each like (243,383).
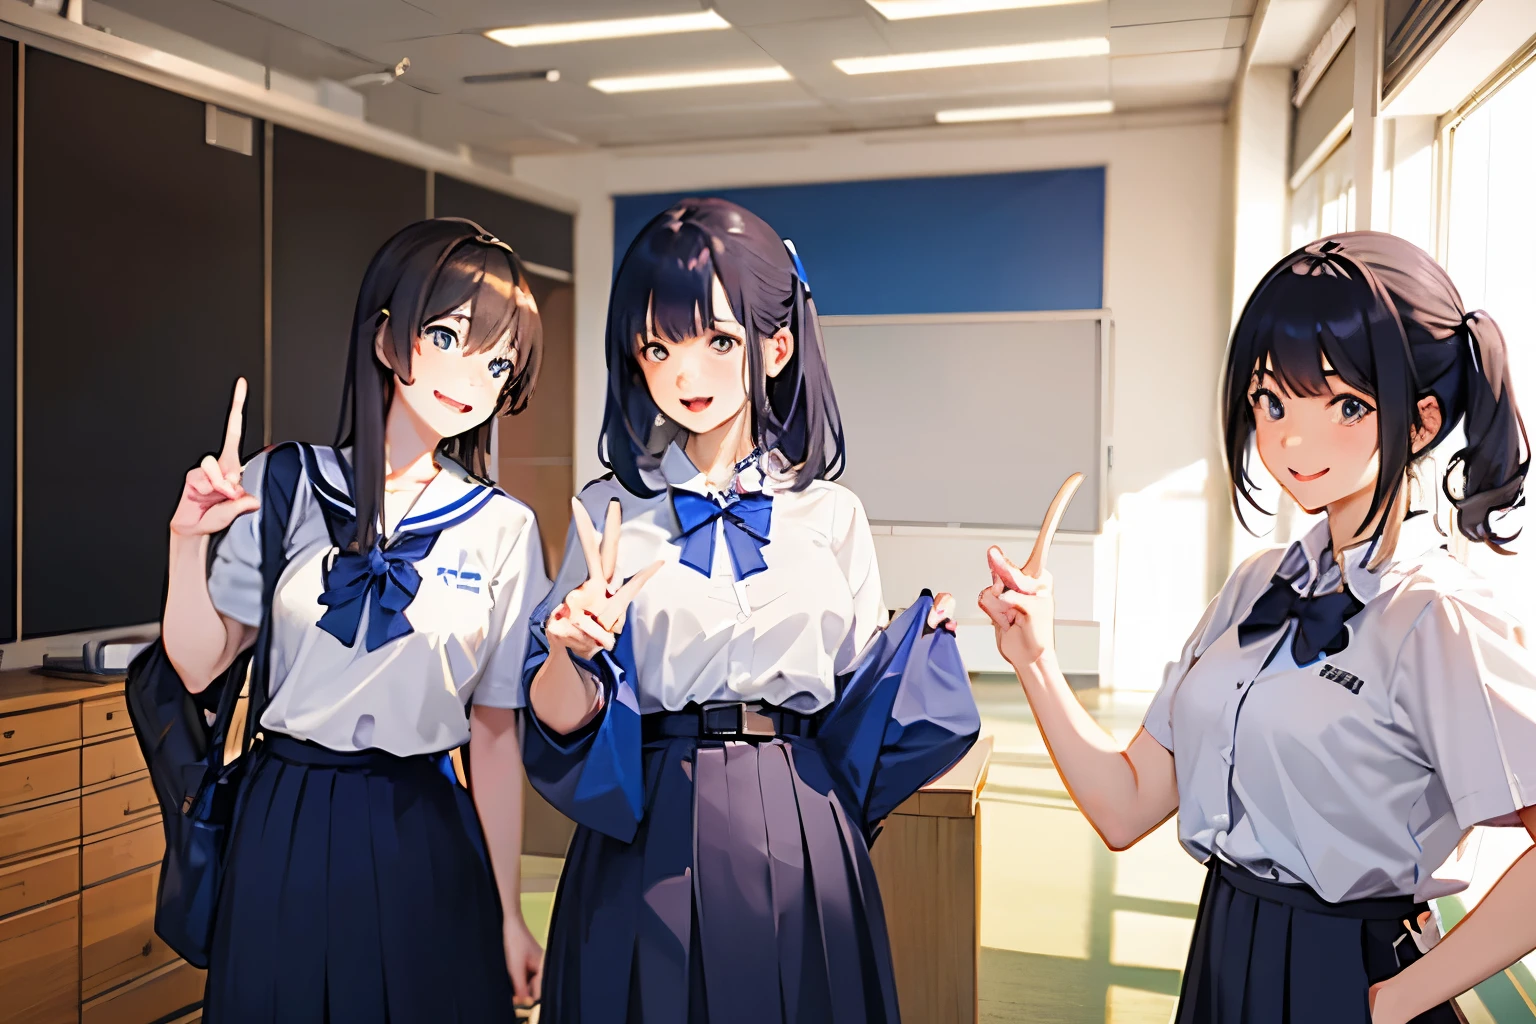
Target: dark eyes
(1267,402)
(656,353)
(722,343)
(1349,410)
(442,337)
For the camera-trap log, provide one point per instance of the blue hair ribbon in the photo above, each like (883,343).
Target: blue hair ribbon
(799,267)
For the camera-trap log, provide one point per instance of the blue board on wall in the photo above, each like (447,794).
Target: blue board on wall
(977,243)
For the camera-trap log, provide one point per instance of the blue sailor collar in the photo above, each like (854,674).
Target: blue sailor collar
(449,498)
(1310,565)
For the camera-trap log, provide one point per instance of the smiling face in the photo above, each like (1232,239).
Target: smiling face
(1323,448)
(451,389)
(700,381)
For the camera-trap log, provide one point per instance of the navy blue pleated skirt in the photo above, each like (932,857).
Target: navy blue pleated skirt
(746,897)
(1267,953)
(356,889)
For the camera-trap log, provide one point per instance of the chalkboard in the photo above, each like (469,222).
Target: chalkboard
(972,420)
(332,208)
(142,291)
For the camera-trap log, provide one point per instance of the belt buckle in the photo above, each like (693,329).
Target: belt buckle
(738,719)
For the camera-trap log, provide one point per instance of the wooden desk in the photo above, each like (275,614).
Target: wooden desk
(928,862)
(80,850)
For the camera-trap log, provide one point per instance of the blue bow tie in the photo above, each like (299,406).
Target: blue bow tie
(1319,620)
(746,530)
(384,580)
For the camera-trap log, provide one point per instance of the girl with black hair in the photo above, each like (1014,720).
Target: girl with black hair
(359,884)
(1351,705)
(729,743)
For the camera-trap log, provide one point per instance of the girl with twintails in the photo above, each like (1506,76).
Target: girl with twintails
(358,886)
(712,697)
(1351,704)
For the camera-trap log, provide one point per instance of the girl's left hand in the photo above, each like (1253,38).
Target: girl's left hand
(525,960)
(942,614)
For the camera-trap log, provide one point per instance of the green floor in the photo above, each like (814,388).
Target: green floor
(1072,933)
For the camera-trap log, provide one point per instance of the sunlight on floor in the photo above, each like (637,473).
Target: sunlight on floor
(1072,933)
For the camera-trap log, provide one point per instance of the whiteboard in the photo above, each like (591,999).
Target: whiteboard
(973,420)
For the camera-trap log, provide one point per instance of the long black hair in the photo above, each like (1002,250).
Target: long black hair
(1392,325)
(669,270)
(423,273)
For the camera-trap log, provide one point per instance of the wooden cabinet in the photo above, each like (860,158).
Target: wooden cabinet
(80,850)
(928,861)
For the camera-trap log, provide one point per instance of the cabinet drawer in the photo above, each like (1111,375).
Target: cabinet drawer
(40,964)
(177,987)
(98,717)
(117,933)
(111,759)
(35,777)
(39,728)
(119,854)
(118,805)
(39,827)
(33,882)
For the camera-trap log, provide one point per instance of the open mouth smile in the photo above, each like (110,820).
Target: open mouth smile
(696,404)
(450,403)
(1308,477)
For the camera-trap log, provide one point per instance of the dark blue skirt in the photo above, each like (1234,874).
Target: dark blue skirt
(1267,953)
(745,897)
(357,889)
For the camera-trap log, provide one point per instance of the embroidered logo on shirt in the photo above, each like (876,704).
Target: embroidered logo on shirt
(460,579)
(1350,682)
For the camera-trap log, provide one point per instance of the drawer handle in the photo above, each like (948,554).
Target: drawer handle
(9,733)
(110,714)
(148,947)
(130,811)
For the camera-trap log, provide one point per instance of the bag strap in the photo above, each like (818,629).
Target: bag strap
(279,491)
(285,468)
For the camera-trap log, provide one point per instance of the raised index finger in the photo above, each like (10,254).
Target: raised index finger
(587,533)
(1036,563)
(229,455)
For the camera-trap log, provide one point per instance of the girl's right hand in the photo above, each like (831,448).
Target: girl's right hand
(1021,602)
(212,497)
(591,616)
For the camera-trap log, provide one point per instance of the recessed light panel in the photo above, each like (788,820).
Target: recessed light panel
(1055,49)
(612,28)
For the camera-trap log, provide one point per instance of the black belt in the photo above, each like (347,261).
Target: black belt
(735,721)
(1302,897)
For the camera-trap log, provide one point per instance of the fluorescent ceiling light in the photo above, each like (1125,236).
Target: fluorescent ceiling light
(691,79)
(900,10)
(1019,113)
(613,28)
(1054,49)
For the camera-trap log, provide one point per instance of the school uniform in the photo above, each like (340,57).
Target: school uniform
(1333,745)
(757,724)
(357,886)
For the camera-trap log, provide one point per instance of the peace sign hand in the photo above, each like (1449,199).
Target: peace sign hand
(592,615)
(1021,601)
(212,497)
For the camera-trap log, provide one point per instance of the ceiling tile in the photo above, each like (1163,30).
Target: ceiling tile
(1178,36)
(1158,69)
(1147,12)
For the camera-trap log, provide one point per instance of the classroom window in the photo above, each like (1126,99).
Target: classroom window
(1491,219)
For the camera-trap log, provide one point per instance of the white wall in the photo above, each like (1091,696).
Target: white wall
(1164,282)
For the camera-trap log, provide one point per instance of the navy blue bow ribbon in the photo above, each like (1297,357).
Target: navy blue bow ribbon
(746,530)
(383,580)
(1319,620)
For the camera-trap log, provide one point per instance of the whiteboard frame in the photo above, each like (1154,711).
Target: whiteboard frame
(1106,339)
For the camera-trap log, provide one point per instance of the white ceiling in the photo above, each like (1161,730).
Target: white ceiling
(1163,53)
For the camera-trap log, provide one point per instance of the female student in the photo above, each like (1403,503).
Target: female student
(1352,704)
(728,743)
(357,885)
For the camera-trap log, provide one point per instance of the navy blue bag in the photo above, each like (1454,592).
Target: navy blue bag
(185,754)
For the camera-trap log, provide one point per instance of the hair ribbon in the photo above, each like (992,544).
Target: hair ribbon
(799,267)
